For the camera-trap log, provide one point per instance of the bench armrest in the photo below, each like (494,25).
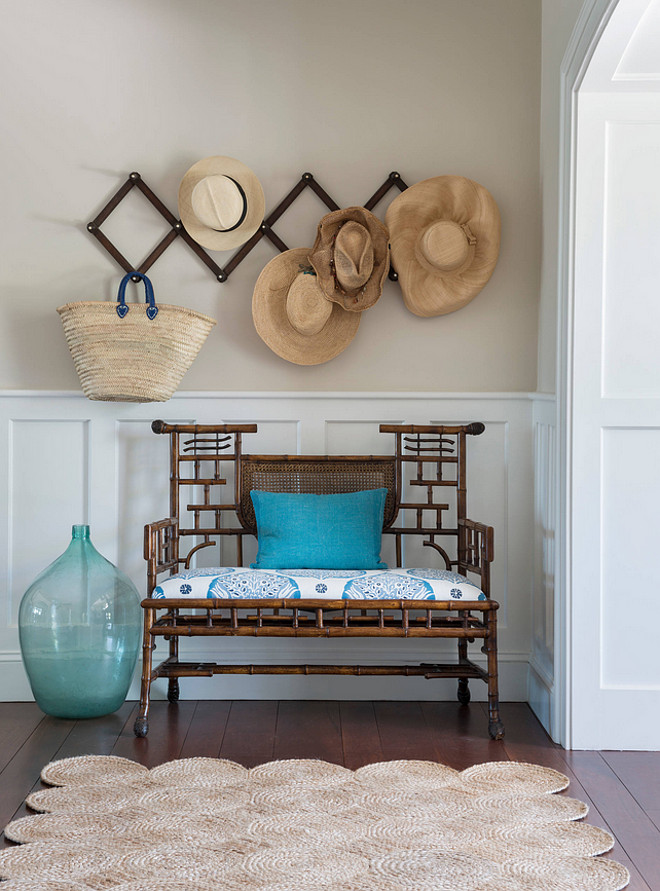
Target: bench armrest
(476,550)
(161,549)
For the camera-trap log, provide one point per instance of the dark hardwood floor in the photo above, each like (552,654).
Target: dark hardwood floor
(621,788)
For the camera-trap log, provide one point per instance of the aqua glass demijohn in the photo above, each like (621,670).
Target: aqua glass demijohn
(79,627)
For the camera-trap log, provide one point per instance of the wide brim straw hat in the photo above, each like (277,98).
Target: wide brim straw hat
(221,203)
(351,257)
(445,241)
(293,317)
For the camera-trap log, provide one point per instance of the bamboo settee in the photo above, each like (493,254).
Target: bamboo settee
(425,478)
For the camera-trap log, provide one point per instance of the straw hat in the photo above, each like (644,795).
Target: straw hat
(293,316)
(221,203)
(351,257)
(445,235)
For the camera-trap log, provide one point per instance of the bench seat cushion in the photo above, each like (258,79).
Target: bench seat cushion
(229,582)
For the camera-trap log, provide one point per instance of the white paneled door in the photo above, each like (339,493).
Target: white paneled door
(614,699)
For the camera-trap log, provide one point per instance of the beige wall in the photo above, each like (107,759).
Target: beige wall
(349,90)
(558,20)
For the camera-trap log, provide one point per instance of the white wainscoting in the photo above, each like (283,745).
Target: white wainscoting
(541,695)
(69,460)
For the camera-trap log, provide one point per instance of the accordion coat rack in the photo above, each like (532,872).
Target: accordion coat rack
(221,273)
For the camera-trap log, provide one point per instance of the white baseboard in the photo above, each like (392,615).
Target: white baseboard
(540,694)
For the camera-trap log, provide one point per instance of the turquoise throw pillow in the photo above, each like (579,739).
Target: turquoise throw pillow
(306,531)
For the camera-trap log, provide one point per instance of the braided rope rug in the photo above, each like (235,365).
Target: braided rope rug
(204,823)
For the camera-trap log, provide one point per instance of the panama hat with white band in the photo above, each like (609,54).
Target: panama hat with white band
(445,241)
(221,203)
(292,315)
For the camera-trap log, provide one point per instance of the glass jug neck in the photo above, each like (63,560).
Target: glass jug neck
(80,532)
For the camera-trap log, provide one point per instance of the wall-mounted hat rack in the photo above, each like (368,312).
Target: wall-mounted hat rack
(221,273)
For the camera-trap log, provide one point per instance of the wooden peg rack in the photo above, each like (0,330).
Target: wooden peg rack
(221,273)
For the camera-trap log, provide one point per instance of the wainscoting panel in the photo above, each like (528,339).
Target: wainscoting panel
(47,462)
(541,676)
(70,461)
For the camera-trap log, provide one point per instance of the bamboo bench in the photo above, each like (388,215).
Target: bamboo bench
(427,460)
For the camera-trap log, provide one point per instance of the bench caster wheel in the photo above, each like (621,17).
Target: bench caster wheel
(141,727)
(173,690)
(496,729)
(463,694)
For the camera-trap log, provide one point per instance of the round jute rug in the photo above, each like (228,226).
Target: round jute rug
(304,825)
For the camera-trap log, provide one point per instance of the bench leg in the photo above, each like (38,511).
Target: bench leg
(463,693)
(173,683)
(495,725)
(141,726)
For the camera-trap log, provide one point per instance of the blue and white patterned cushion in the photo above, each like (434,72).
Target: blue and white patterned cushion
(324,584)
(193,583)
(461,588)
(388,586)
(255,585)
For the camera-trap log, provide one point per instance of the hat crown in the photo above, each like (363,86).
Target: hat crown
(353,255)
(218,202)
(307,307)
(446,245)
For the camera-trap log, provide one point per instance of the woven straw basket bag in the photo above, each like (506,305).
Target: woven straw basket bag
(132,353)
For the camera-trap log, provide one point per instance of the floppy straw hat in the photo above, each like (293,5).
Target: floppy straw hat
(293,316)
(221,203)
(445,236)
(351,257)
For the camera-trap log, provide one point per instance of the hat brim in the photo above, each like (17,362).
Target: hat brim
(463,201)
(254,196)
(272,322)
(323,251)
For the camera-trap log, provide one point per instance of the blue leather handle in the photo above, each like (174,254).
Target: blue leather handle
(122,306)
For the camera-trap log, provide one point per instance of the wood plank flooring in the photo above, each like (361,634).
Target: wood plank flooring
(622,789)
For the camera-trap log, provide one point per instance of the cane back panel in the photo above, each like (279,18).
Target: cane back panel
(316,475)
